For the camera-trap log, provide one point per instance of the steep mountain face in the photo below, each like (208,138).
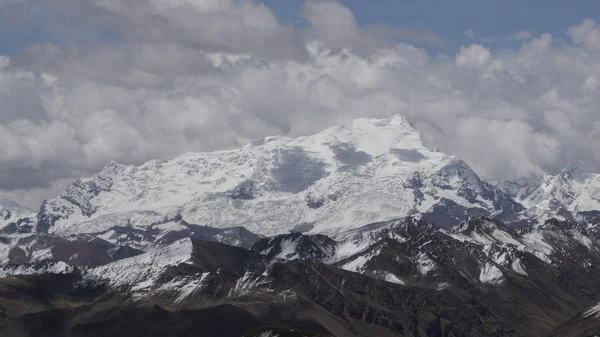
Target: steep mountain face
(521,188)
(572,195)
(341,178)
(194,275)
(14,216)
(297,246)
(572,189)
(543,274)
(77,251)
(404,277)
(587,323)
(171,230)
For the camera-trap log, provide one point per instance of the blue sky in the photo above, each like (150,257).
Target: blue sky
(449,19)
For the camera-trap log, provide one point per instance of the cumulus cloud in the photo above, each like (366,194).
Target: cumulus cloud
(586,34)
(522,35)
(198,75)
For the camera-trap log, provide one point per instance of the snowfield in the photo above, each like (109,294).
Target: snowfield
(341,178)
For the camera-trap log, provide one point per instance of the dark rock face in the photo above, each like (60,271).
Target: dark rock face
(296,246)
(586,324)
(74,251)
(235,236)
(406,277)
(46,219)
(244,191)
(306,295)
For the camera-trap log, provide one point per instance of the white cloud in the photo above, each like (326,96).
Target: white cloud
(522,35)
(332,20)
(473,56)
(470,33)
(205,75)
(586,34)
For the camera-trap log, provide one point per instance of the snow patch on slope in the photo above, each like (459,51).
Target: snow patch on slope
(389,277)
(357,264)
(141,272)
(490,274)
(46,267)
(425,264)
(185,286)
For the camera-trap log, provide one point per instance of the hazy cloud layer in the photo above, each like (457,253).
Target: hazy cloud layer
(198,75)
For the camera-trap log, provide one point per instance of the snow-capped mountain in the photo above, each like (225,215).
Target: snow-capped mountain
(481,249)
(572,195)
(341,178)
(37,268)
(521,188)
(572,189)
(12,213)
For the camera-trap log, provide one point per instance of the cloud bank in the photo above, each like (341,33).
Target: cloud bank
(164,77)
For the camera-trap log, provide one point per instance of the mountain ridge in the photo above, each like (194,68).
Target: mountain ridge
(480,277)
(375,170)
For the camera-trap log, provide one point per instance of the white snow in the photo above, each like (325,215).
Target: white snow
(141,272)
(425,264)
(521,188)
(491,274)
(573,189)
(4,251)
(584,240)
(11,212)
(593,311)
(361,174)
(247,282)
(288,250)
(268,334)
(518,267)
(443,285)
(389,277)
(54,268)
(358,263)
(185,286)
(537,245)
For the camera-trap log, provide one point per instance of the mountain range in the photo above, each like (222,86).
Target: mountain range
(364,230)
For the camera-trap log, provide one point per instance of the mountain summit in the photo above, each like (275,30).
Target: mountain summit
(374,170)
(572,189)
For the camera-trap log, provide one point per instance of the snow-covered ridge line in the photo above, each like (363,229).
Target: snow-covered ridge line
(341,178)
(142,271)
(405,252)
(42,267)
(573,190)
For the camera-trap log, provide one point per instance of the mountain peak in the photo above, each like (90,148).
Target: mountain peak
(573,189)
(341,178)
(477,223)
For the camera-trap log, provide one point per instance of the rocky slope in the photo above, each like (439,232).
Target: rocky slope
(405,277)
(15,217)
(77,251)
(572,195)
(587,323)
(520,189)
(196,279)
